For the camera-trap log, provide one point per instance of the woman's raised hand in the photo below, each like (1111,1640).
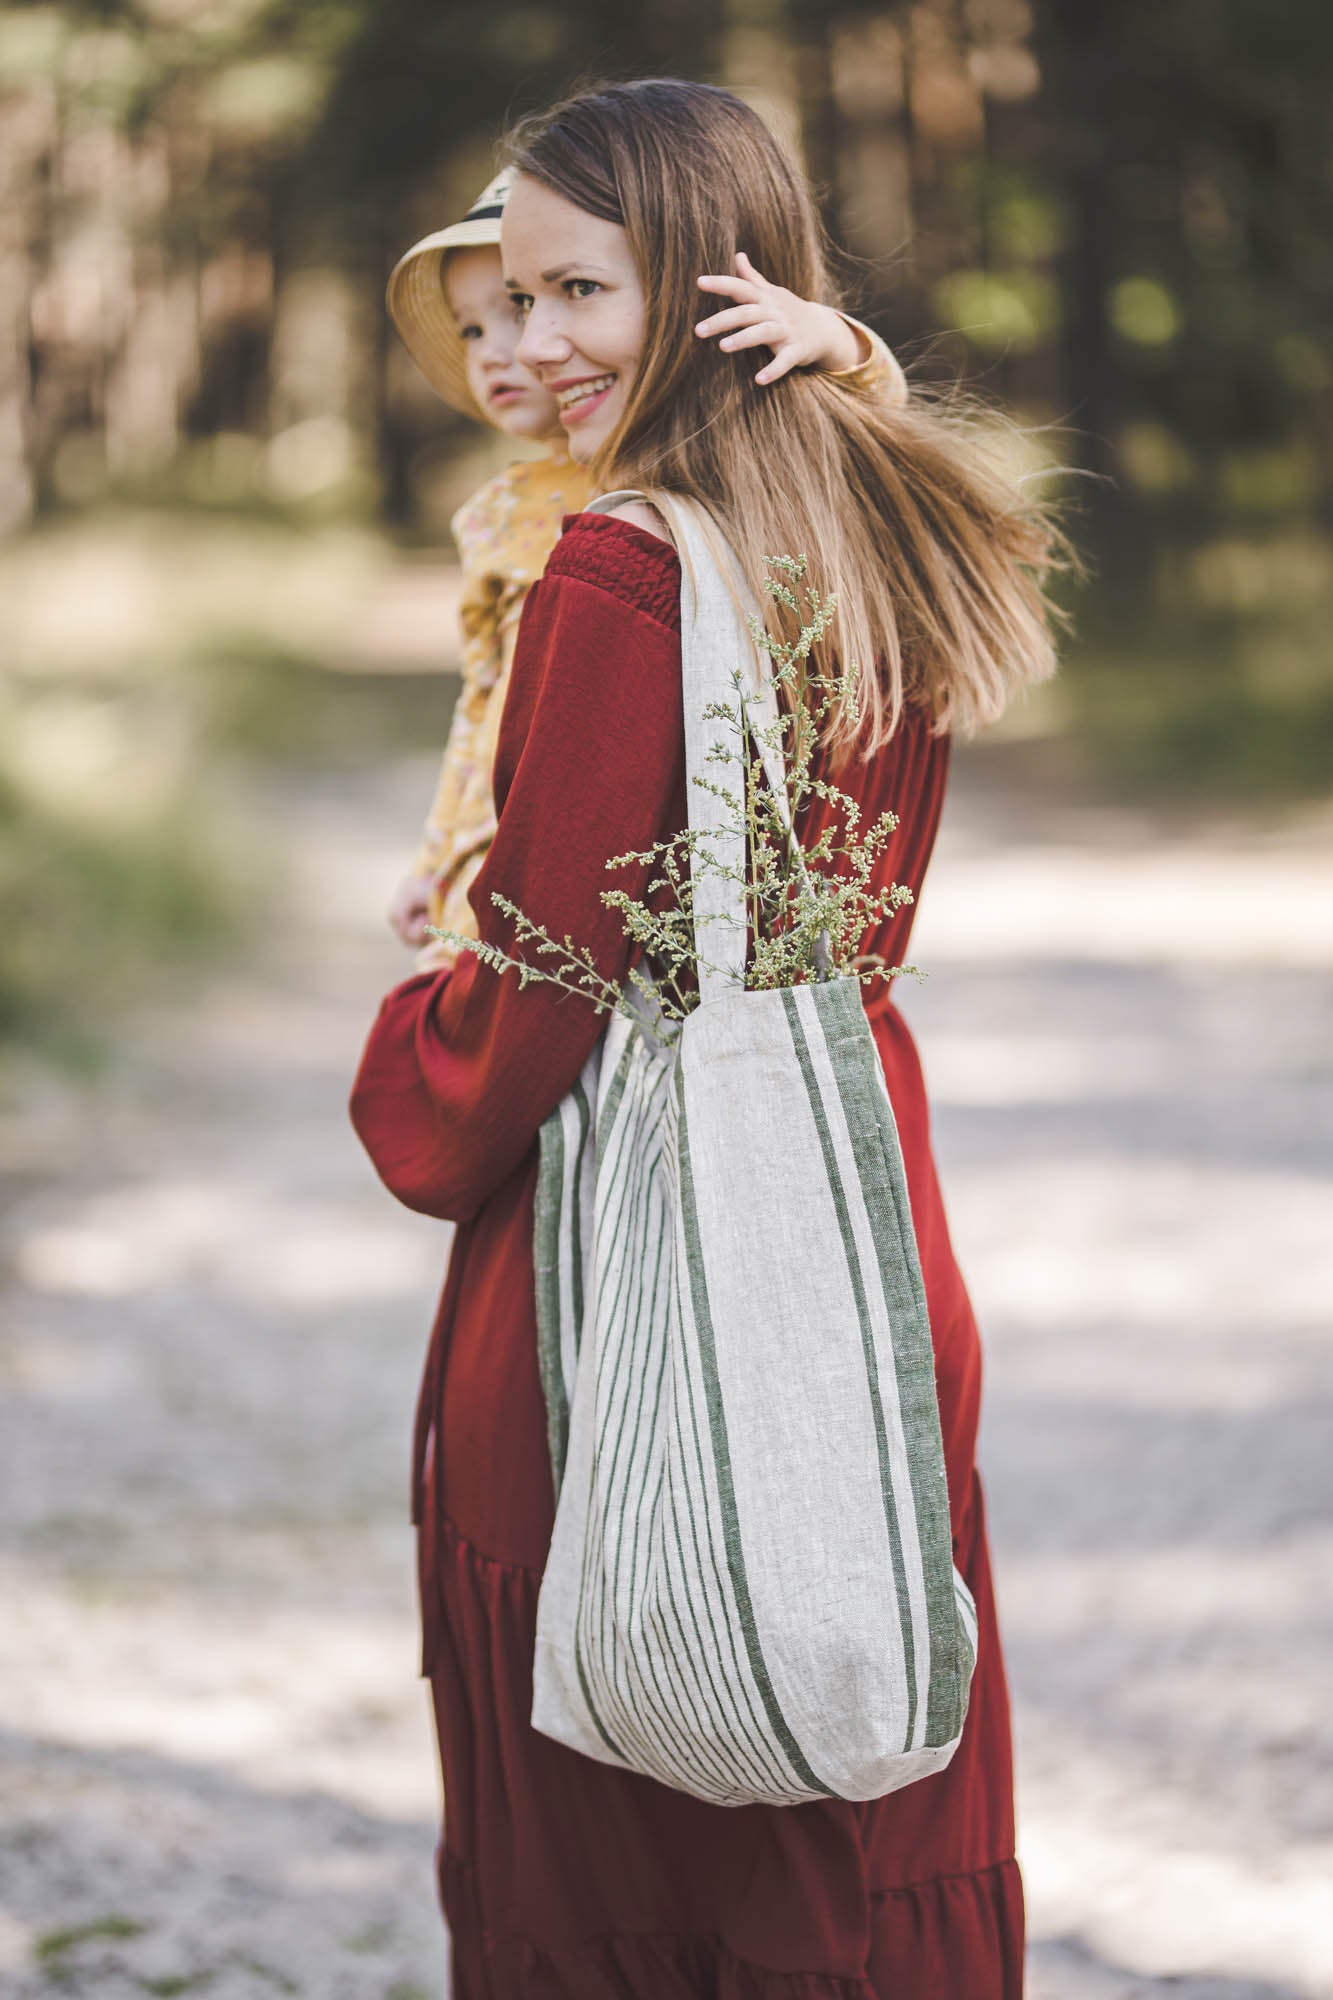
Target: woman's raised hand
(801,333)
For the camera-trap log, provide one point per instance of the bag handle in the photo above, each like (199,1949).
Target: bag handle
(714,642)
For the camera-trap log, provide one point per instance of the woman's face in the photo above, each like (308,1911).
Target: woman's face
(573,280)
(506,394)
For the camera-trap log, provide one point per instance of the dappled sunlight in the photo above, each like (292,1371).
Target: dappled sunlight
(130,597)
(16,1939)
(1078,1234)
(1129,1049)
(160,1874)
(109,597)
(1185,907)
(985,1069)
(1156,1756)
(1170,1903)
(1173,1589)
(1110,1364)
(214,1684)
(51,1367)
(216,1317)
(249,1243)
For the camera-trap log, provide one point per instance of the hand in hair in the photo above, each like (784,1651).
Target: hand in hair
(800,332)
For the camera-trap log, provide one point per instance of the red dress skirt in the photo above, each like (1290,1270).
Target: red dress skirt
(561,1878)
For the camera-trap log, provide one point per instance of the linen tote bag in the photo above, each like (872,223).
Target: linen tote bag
(750,1594)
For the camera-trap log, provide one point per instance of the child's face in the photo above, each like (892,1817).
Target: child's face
(507,395)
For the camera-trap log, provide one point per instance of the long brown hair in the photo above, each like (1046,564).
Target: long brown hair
(934,549)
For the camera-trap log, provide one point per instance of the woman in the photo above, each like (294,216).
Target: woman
(560,1876)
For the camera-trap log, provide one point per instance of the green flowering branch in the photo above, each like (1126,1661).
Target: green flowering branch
(808,907)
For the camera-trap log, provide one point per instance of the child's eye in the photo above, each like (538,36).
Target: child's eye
(470,332)
(582,288)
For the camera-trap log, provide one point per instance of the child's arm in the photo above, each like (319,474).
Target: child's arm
(418,898)
(800,332)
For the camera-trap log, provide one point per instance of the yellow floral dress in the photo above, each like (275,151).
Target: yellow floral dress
(504,534)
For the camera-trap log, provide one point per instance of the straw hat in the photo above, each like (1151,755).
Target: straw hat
(419,308)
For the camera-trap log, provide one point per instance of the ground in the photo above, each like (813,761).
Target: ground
(218,1769)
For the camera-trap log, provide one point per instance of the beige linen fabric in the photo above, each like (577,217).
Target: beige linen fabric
(750,1593)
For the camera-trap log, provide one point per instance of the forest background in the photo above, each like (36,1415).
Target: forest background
(1114,218)
(228,615)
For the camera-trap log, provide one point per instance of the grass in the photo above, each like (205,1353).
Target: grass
(52,1947)
(160,672)
(1202,670)
(280,1981)
(1204,711)
(54,1950)
(270,704)
(93,917)
(375,1937)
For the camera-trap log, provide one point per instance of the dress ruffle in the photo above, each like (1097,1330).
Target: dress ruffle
(941,1940)
(543,1847)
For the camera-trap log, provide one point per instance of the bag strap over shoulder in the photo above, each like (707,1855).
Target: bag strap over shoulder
(715,643)
(606,503)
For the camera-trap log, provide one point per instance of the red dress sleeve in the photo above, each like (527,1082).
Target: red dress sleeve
(461,1067)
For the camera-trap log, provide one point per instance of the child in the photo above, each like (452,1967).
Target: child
(448,301)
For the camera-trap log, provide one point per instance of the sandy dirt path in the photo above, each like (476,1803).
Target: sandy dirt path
(217,1767)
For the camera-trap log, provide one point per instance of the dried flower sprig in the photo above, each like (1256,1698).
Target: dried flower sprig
(808,908)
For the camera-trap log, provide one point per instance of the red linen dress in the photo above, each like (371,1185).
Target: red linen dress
(561,1878)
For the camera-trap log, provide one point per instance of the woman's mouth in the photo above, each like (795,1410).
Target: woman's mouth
(578,400)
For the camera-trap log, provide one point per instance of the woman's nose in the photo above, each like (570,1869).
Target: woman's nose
(541,342)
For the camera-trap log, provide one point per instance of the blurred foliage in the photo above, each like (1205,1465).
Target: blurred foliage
(1225,691)
(165,675)
(1124,210)
(1116,218)
(92,916)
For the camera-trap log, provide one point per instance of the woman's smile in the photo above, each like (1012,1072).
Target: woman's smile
(577,399)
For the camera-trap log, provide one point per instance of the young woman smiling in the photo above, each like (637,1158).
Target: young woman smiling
(561,1876)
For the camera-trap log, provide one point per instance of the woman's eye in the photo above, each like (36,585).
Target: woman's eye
(582,288)
(522,304)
